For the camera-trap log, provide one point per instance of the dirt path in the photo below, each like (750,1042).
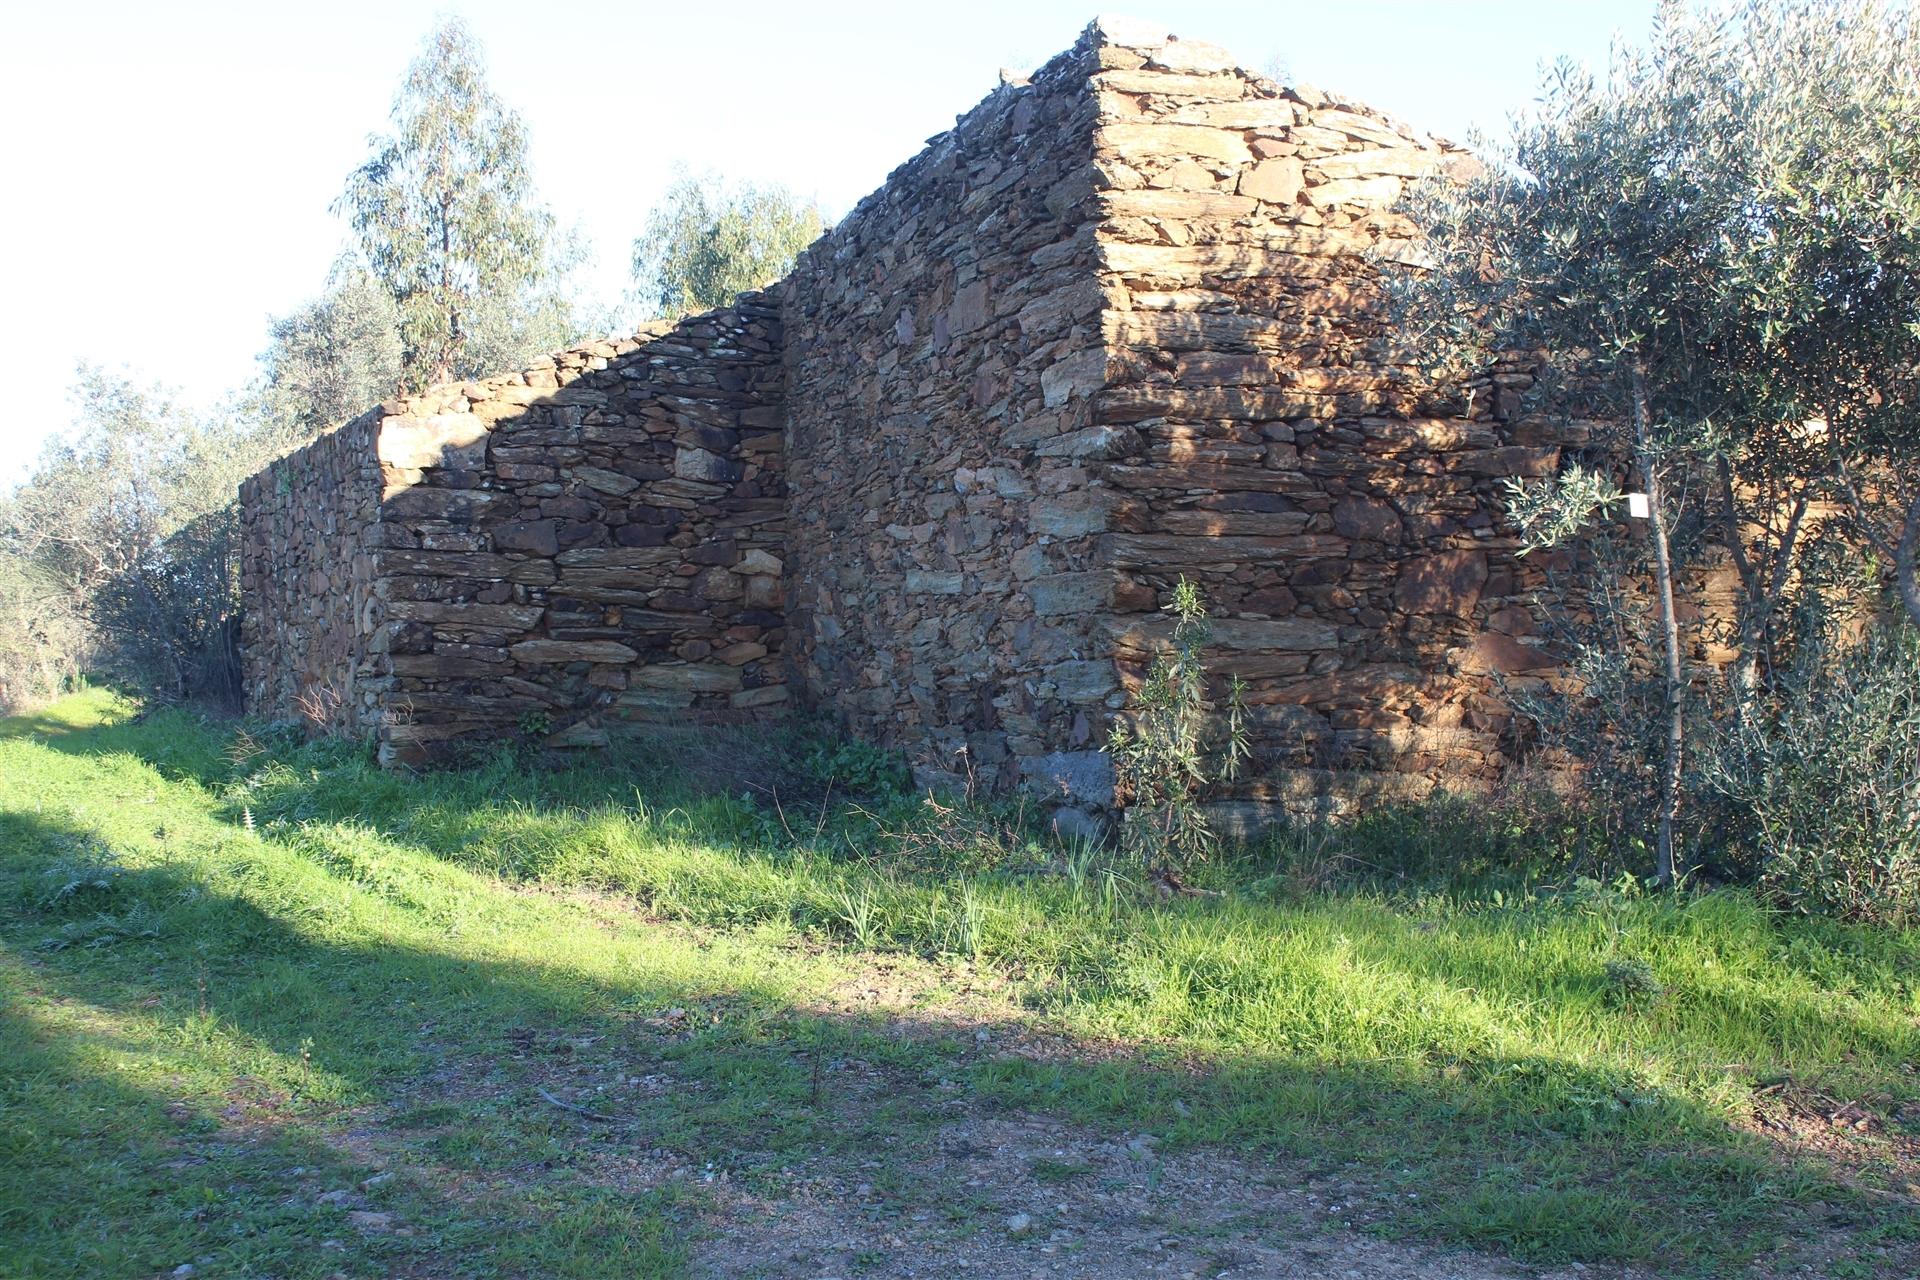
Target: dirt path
(1018,1196)
(926,1179)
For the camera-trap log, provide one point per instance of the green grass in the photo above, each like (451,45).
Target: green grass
(234,983)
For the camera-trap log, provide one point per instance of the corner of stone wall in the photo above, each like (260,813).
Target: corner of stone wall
(1344,527)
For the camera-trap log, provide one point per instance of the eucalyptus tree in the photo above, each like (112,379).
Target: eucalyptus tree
(446,214)
(1712,248)
(706,242)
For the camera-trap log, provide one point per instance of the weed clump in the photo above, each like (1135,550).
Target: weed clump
(1174,744)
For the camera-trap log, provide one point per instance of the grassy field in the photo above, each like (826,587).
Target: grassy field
(268,1011)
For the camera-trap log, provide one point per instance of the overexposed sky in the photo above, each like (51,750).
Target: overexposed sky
(171,165)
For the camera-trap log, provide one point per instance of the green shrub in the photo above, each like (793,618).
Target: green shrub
(1170,748)
(858,767)
(1828,777)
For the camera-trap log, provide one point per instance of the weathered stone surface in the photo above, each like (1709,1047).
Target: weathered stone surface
(931,582)
(1078,374)
(1377,192)
(1492,651)
(1069,515)
(541,651)
(698,464)
(548,534)
(693,677)
(1074,823)
(1085,776)
(508,617)
(602,480)
(537,537)
(1446,582)
(1070,593)
(1190,56)
(1150,551)
(1277,181)
(1402,162)
(1084,681)
(1370,519)
(1147,634)
(1153,203)
(459,506)
(457,441)
(1143,141)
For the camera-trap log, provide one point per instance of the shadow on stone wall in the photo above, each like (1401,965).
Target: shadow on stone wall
(598,538)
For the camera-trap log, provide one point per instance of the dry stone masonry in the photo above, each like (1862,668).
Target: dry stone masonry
(1120,325)
(598,539)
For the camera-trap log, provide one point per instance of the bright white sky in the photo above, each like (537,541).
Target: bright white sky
(172,164)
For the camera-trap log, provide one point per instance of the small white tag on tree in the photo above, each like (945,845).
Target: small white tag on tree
(1637,506)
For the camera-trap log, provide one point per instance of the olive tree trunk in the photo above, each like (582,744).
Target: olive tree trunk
(1669,627)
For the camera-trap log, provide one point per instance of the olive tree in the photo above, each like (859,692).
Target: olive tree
(706,242)
(1711,248)
(333,357)
(1824,267)
(1588,238)
(131,519)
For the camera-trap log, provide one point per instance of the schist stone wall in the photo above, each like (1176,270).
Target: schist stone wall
(307,577)
(597,539)
(1120,325)
(943,344)
(1346,532)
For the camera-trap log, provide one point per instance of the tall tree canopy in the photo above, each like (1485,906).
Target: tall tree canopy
(447,218)
(707,242)
(1729,221)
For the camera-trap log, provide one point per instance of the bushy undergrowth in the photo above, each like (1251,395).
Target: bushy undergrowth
(1826,780)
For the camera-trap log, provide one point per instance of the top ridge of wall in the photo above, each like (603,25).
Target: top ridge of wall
(1169,53)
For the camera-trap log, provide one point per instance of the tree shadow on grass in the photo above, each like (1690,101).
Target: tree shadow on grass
(479,1063)
(655,767)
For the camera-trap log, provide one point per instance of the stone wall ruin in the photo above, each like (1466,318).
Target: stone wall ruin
(1121,324)
(597,539)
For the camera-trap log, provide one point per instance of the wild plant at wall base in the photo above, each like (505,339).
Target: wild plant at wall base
(1174,745)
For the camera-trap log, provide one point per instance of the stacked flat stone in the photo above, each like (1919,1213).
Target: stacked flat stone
(594,540)
(1121,324)
(1346,529)
(306,578)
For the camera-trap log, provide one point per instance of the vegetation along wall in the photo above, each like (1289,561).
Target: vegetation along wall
(1120,325)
